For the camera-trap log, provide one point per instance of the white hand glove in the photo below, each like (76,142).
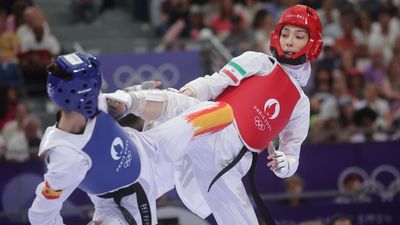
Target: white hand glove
(282,164)
(279,162)
(121,97)
(119,103)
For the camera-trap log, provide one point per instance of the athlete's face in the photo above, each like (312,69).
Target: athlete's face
(293,39)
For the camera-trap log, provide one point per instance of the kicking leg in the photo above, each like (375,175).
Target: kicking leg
(204,118)
(148,104)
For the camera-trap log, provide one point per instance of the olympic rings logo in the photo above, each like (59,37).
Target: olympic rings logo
(374,184)
(259,123)
(126,75)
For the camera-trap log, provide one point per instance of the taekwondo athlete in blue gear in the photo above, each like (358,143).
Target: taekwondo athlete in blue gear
(122,170)
(87,85)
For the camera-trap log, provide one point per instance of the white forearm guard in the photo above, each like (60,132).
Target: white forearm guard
(136,101)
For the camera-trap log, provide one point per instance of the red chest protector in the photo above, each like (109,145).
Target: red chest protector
(262,106)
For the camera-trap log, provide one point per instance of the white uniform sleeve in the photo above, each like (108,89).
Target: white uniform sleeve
(102,103)
(176,103)
(293,135)
(66,169)
(245,65)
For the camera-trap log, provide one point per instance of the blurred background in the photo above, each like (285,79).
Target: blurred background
(349,167)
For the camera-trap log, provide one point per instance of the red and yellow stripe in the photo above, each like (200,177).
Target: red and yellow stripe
(211,119)
(49,193)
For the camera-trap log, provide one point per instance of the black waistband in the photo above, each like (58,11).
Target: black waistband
(142,201)
(121,192)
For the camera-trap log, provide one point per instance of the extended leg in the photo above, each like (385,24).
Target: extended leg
(202,119)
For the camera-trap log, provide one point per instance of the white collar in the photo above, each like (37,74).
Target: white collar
(301,73)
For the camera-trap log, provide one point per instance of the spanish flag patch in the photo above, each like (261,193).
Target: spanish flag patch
(211,119)
(49,193)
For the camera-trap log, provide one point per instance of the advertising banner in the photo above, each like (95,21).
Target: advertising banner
(174,69)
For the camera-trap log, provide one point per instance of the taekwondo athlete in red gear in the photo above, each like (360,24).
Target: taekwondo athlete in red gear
(272,100)
(273,103)
(119,168)
(266,95)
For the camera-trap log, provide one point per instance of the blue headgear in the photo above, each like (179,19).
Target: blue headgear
(79,92)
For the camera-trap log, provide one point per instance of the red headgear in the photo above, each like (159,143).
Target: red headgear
(307,18)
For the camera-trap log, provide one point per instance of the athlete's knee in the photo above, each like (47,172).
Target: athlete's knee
(210,117)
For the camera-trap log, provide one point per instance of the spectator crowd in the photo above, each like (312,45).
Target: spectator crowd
(355,85)
(26,47)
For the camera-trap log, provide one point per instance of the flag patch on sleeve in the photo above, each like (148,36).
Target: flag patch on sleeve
(49,193)
(234,71)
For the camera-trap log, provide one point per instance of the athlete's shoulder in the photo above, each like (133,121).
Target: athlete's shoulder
(253,55)
(54,138)
(251,60)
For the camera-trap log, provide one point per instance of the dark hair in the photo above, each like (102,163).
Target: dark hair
(55,70)
(4,101)
(364,114)
(259,17)
(3,12)
(339,217)
(58,116)
(18,8)
(236,19)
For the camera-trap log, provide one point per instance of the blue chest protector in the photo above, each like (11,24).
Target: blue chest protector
(115,160)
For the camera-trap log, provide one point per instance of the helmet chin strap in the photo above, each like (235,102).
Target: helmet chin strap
(282,59)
